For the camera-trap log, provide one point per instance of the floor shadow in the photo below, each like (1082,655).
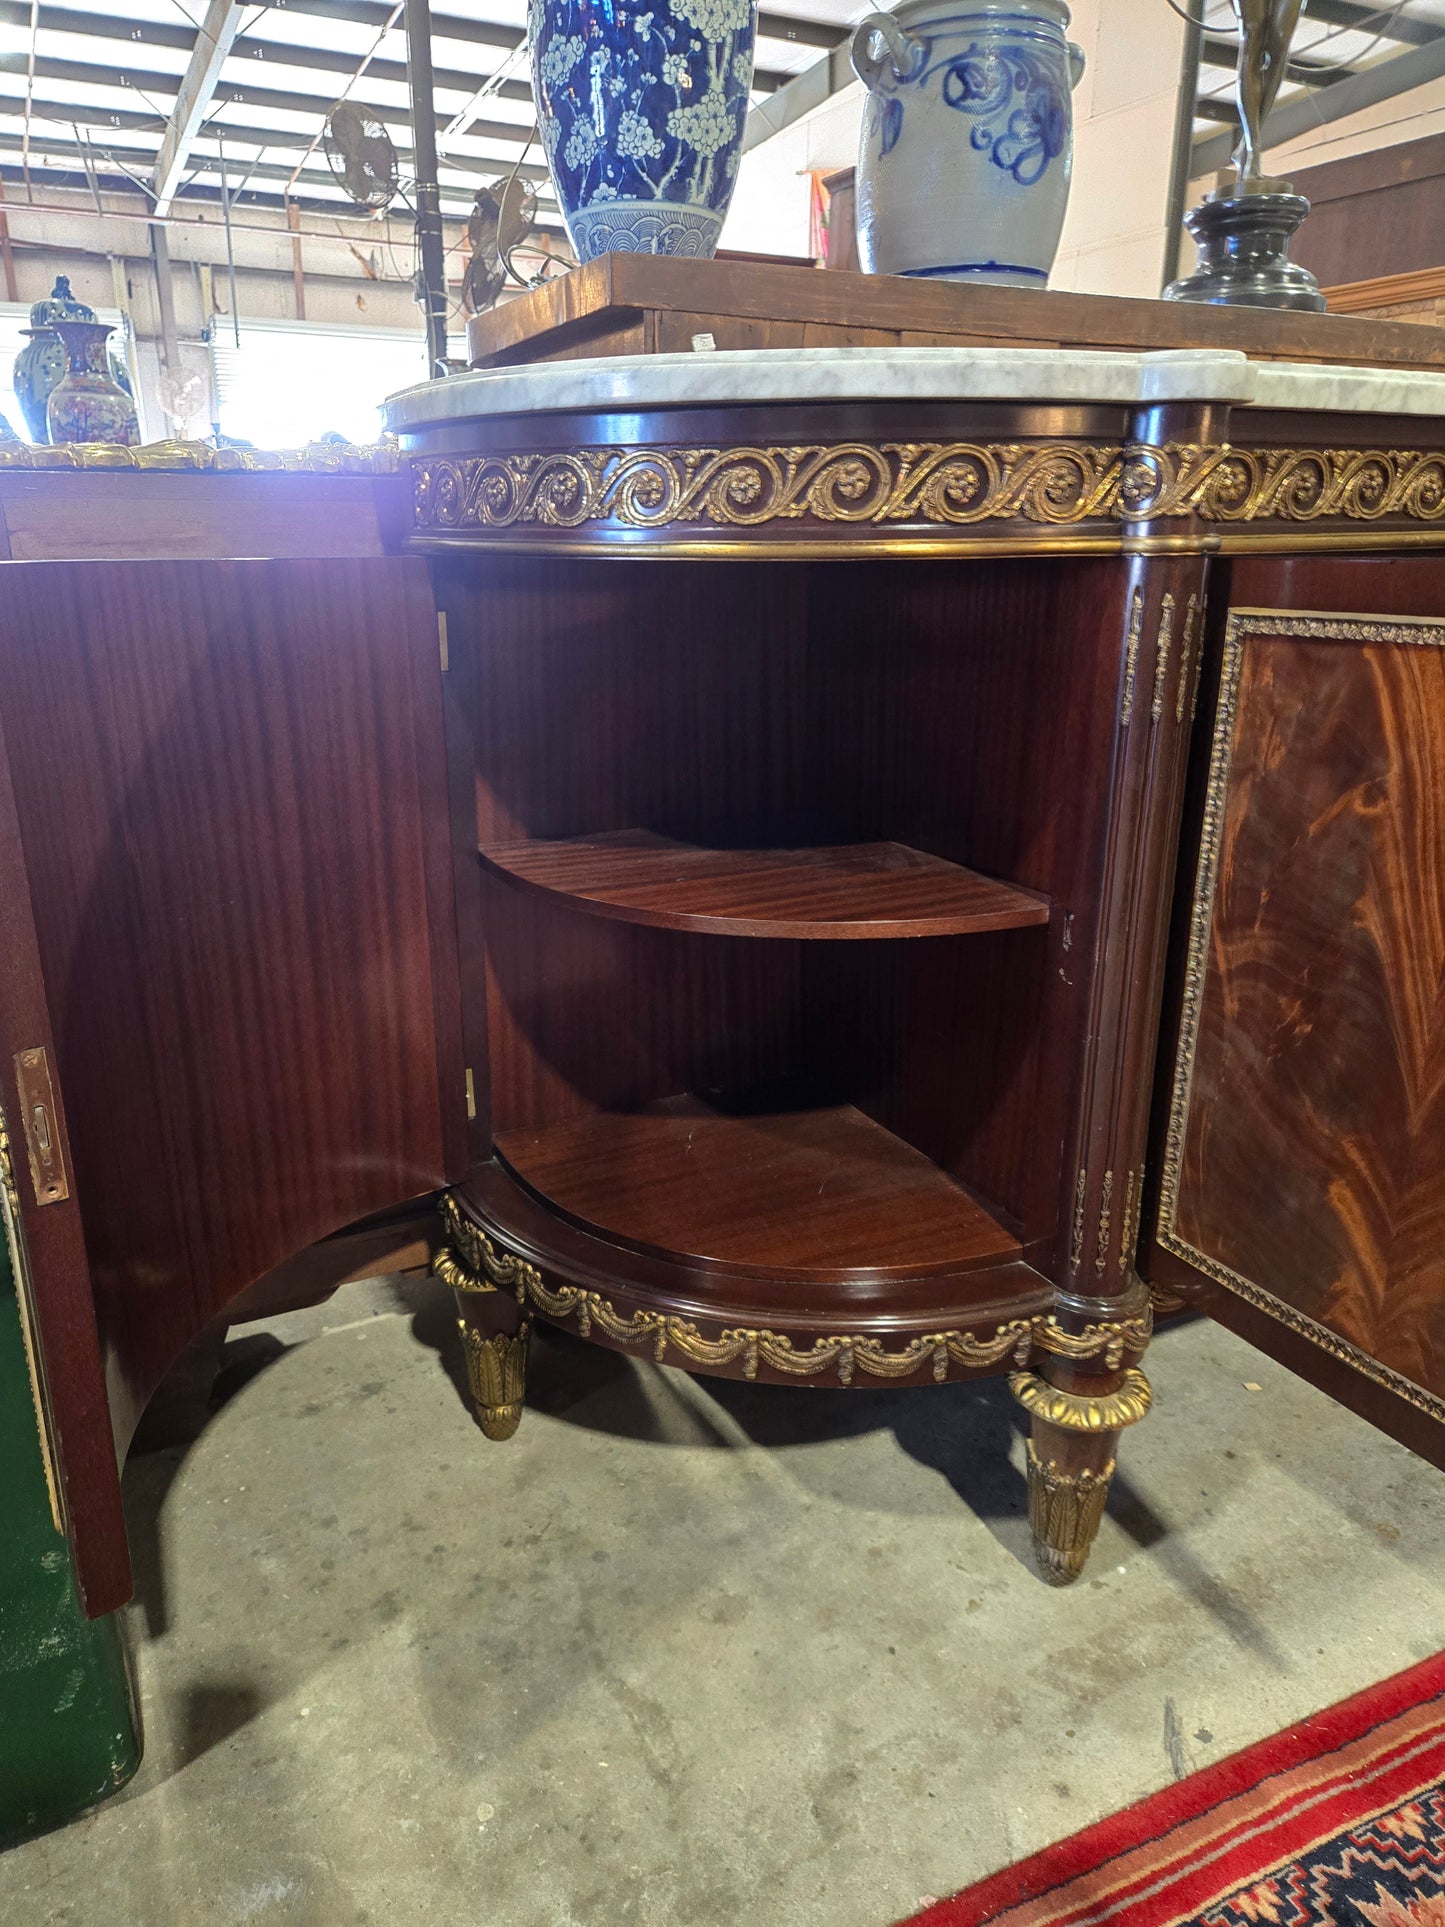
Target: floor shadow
(207,1715)
(200,1384)
(964,1432)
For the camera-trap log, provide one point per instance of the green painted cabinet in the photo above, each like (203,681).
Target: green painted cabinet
(68,1731)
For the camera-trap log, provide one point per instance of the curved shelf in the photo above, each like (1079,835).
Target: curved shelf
(868,1329)
(852,890)
(812,1196)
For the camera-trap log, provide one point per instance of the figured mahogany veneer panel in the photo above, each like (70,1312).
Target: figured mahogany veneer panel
(821,1194)
(240,873)
(1313,1159)
(843,891)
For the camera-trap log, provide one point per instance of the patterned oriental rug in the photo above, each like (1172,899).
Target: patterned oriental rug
(1336,1822)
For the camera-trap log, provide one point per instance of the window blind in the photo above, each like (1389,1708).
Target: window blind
(289,383)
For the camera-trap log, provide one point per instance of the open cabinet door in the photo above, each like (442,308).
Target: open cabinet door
(228,880)
(1299,1155)
(47,1252)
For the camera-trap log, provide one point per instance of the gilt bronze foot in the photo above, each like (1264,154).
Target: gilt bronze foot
(497,1374)
(1071,1458)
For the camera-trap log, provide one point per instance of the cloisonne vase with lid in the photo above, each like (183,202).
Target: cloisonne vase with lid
(40,365)
(641,105)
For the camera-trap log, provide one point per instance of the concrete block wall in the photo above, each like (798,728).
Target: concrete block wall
(1124,108)
(1113,240)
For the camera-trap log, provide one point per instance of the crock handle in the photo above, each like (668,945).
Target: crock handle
(1077,64)
(897,59)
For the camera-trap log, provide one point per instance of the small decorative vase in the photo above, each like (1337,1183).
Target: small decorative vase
(641,104)
(89,405)
(40,365)
(967,139)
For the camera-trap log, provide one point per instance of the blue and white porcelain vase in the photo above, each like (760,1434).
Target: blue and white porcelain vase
(967,139)
(641,104)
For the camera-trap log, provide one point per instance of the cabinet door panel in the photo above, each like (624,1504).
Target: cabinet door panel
(1302,1158)
(39,1203)
(230,795)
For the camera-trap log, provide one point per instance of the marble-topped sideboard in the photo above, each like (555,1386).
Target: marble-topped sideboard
(1019,604)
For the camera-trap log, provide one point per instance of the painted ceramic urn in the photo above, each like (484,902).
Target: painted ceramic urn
(88,404)
(967,139)
(641,105)
(40,365)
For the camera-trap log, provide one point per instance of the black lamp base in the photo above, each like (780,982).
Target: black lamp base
(1243,242)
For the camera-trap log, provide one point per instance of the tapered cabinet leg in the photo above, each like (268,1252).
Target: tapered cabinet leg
(495,1341)
(1075,1426)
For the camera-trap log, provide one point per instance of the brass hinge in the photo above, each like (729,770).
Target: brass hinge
(471,1098)
(42,1136)
(442,640)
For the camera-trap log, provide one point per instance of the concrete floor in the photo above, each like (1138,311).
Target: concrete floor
(686,1653)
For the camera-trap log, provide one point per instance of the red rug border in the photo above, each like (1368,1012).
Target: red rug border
(1151,1818)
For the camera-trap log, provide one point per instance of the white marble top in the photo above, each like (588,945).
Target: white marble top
(915,374)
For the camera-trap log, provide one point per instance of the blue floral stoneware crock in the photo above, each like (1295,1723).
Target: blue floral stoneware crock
(967,139)
(641,105)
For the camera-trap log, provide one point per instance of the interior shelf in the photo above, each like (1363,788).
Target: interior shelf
(852,890)
(821,1194)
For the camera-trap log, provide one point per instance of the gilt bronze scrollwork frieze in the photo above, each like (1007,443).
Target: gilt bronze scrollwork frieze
(1032,493)
(1229,484)
(949,484)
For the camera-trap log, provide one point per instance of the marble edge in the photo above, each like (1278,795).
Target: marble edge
(1309,387)
(824,374)
(741,376)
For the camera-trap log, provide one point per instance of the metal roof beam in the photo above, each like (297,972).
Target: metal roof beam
(108,169)
(217,30)
(313,107)
(1304,73)
(803,93)
(154,33)
(118,119)
(444,26)
(1361,18)
(1367,88)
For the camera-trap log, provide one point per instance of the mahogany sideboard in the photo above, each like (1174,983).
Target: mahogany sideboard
(833,870)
